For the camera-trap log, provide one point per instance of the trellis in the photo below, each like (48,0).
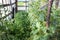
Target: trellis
(15,7)
(10,7)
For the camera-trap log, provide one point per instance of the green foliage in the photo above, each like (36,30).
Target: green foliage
(17,30)
(31,25)
(37,19)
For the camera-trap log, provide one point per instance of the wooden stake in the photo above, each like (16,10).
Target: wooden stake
(57,3)
(48,13)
